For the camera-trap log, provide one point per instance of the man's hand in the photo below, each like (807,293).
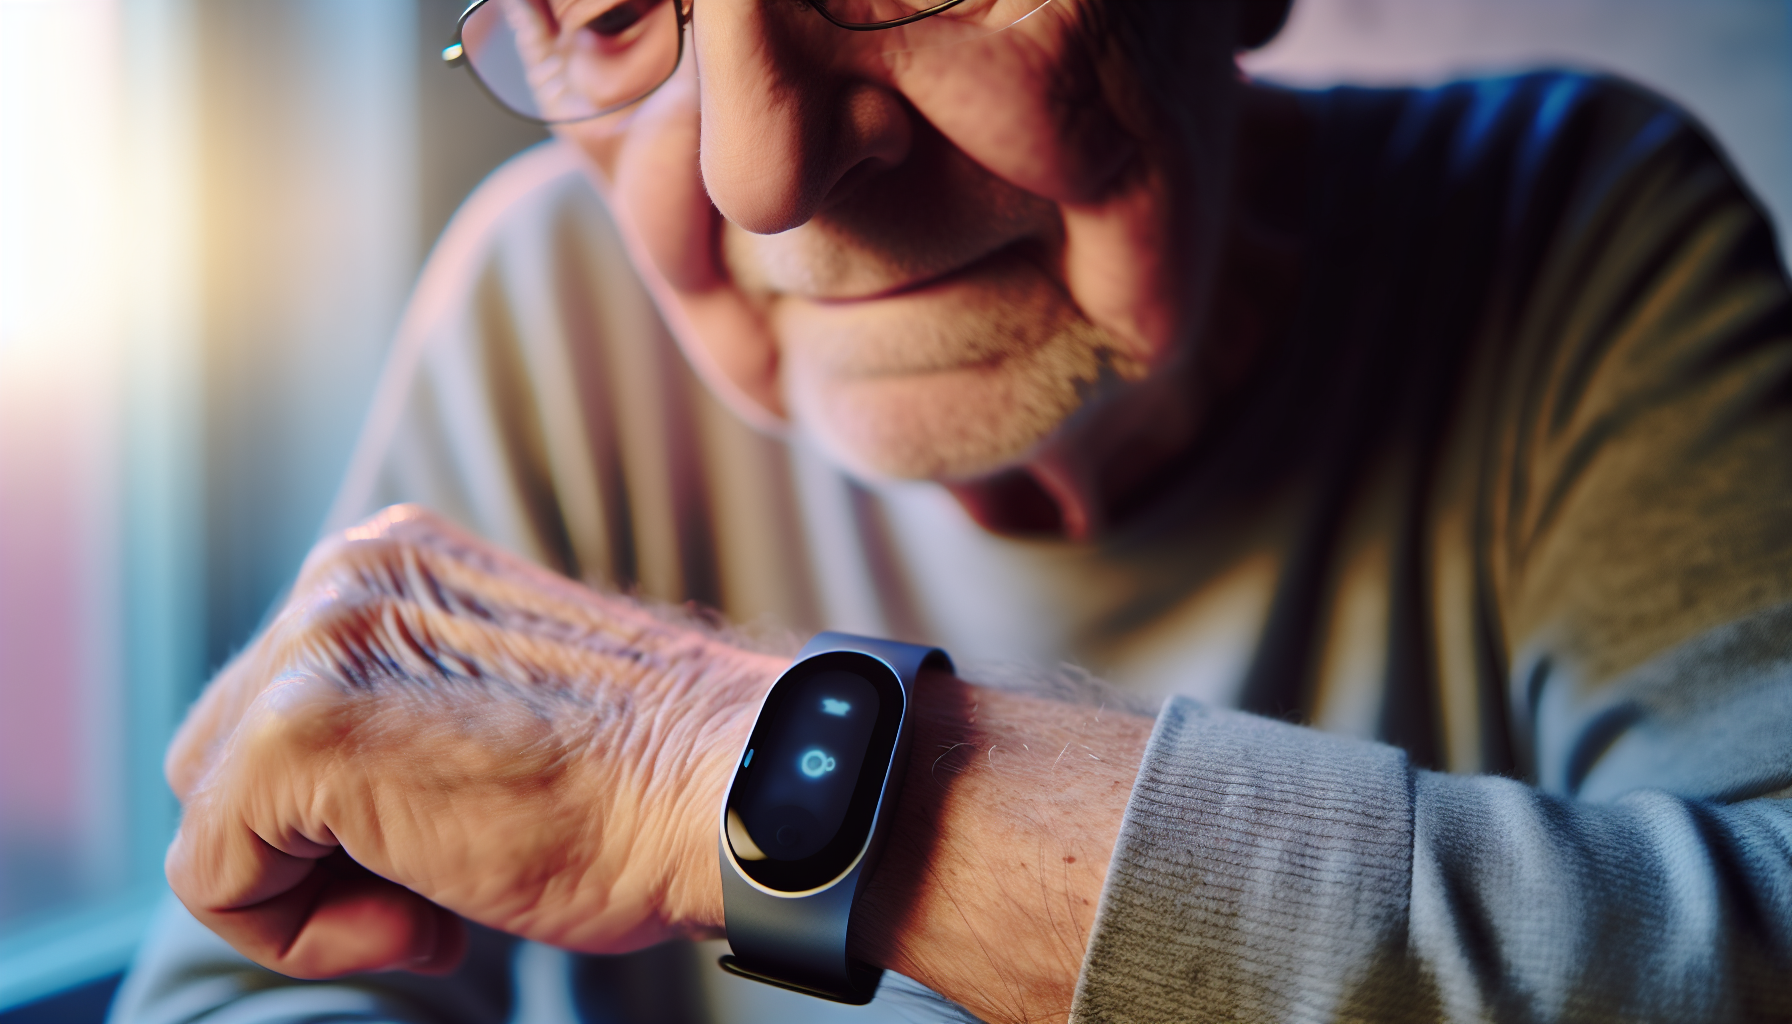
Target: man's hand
(432,728)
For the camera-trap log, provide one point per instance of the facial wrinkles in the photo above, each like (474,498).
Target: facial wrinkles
(962,420)
(920,318)
(657,188)
(894,228)
(978,365)
(992,101)
(646,165)
(1077,130)
(961,380)
(1010,308)
(1056,135)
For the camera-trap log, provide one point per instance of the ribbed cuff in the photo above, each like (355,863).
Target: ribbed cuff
(1262,872)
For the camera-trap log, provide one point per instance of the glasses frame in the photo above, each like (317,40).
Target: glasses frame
(455,53)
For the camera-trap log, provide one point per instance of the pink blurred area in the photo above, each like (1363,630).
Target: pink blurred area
(211,214)
(47,462)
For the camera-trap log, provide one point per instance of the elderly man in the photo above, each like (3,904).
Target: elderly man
(1425,448)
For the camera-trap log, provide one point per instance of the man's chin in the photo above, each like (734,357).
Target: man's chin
(947,425)
(954,381)
(943,426)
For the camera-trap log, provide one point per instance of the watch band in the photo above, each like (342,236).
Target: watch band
(798,939)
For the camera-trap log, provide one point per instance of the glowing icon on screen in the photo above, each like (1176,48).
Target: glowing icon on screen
(830,706)
(815,764)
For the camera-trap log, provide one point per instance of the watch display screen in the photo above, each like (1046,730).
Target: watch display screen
(807,787)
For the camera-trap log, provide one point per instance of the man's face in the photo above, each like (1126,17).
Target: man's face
(929,257)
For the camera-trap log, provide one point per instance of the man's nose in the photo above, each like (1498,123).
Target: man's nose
(784,120)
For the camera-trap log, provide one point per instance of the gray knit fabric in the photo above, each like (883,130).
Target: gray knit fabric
(1268,872)
(1262,873)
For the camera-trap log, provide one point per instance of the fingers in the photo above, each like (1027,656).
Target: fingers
(257,862)
(339,919)
(475,731)
(218,862)
(210,723)
(351,920)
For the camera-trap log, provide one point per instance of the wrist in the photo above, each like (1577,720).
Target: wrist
(720,720)
(1000,846)
(886,918)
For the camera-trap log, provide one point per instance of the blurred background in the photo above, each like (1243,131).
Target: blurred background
(211,213)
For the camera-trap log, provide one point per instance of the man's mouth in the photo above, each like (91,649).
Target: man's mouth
(973,316)
(843,261)
(994,262)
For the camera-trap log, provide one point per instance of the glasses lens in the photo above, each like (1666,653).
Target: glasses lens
(601,57)
(968,16)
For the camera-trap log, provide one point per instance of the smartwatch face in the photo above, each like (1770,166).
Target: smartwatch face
(806,792)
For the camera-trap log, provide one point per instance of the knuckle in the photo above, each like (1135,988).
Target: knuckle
(299,713)
(395,553)
(182,766)
(405,522)
(341,578)
(395,629)
(388,534)
(344,559)
(390,599)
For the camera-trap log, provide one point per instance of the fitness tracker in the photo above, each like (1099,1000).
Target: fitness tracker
(808,809)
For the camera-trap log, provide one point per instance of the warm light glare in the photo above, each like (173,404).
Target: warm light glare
(91,263)
(60,176)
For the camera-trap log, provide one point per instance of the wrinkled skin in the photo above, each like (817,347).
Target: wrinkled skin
(961,264)
(434,729)
(939,263)
(482,736)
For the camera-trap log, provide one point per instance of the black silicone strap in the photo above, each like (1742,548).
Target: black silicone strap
(799,942)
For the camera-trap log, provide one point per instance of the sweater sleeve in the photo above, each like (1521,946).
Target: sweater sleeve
(1269,872)
(1262,872)
(1635,606)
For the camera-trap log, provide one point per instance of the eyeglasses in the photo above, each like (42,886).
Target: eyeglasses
(603,55)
